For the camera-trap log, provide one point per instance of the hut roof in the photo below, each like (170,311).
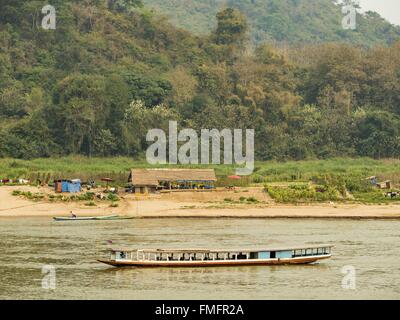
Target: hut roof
(151,177)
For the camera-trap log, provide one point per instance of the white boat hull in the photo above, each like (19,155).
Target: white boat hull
(215,263)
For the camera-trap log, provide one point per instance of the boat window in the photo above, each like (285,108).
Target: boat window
(120,255)
(298,253)
(315,251)
(253,255)
(241,256)
(327,250)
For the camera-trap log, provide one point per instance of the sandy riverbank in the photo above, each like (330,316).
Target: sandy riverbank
(189,205)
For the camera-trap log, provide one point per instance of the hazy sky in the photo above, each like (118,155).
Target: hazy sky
(389,9)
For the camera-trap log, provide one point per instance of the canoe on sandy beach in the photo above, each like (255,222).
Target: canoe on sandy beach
(112,217)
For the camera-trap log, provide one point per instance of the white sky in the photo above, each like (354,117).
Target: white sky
(389,9)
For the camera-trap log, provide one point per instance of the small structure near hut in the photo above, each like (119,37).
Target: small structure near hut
(151,180)
(71,186)
(380,185)
(385,184)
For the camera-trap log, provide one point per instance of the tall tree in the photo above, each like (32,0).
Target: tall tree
(231,28)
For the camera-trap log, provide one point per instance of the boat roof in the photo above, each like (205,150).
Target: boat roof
(200,250)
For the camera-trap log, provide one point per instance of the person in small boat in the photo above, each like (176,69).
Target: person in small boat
(73,215)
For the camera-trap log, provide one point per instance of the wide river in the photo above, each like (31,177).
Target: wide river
(371,247)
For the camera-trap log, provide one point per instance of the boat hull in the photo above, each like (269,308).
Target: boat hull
(106,218)
(214,263)
(118,218)
(73,219)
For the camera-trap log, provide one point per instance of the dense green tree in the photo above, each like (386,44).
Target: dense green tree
(231,27)
(377,134)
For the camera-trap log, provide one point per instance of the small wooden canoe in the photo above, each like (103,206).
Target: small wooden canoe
(112,217)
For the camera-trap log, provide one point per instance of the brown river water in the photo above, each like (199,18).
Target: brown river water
(372,247)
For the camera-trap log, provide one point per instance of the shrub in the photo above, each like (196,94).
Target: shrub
(358,184)
(302,186)
(257,178)
(29,195)
(37,196)
(252,199)
(85,197)
(112,197)
(16,193)
(289,195)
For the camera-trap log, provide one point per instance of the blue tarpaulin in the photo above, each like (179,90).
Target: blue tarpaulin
(68,186)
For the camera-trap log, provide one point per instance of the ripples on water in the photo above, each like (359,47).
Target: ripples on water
(371,246)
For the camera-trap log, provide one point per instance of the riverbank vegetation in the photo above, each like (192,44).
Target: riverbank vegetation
(333,187)
(340,179)
(112,70)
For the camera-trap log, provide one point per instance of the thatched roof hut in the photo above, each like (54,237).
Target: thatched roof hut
(152,178)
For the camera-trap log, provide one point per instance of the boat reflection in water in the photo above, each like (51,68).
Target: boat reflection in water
(211,258)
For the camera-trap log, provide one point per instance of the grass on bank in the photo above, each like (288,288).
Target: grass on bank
(118,168)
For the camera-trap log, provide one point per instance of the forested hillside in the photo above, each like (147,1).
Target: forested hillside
(290,21)
(112,70)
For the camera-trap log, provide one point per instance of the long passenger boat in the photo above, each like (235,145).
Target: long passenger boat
(210,258)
